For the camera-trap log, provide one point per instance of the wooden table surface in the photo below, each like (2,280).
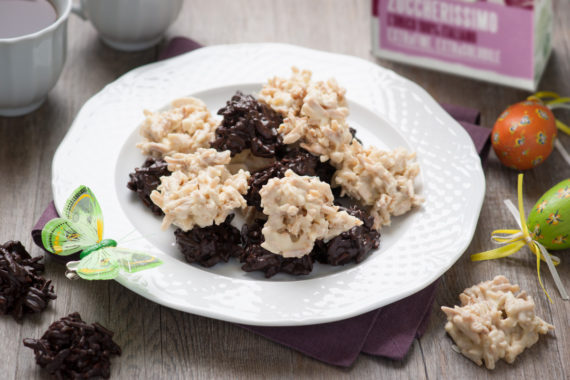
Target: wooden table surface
(158,342)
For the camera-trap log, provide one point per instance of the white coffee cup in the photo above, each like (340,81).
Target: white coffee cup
(30,65)
(130,25)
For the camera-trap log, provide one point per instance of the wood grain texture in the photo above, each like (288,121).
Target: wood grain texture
(159,342)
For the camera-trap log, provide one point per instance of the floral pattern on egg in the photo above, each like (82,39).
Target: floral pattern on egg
(543,115)
(523,135)
(560,239)
(554,218)
(549,219)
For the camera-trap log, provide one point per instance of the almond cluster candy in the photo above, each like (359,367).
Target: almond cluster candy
(210,245)
(257,258)
(72,349)
(22,289)
(146,179)
(248,124)
(494,322)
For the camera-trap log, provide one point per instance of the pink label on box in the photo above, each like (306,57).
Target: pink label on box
(479,35)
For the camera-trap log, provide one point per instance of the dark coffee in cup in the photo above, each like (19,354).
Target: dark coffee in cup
(21,17)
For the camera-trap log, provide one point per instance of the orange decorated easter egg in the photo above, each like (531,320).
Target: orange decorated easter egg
(523,136)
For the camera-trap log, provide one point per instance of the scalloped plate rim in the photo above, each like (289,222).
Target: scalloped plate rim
(259,319)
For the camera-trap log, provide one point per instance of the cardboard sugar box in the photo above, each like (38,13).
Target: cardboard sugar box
(501,41)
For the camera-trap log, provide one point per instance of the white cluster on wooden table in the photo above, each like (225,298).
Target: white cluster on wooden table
(494,323)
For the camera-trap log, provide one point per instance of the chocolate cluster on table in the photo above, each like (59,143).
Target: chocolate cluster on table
(298,160)
(72,349)
(146,179)
(249,124)
(22,289)
(352,245)
(208,246)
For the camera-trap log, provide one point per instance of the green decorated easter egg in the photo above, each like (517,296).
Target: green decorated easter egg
(549,219)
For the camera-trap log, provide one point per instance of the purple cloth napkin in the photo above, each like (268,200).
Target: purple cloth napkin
(388,331)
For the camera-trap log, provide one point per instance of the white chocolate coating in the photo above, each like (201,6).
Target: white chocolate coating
(201,191)
(286,95)
(184,128)
(300,211)
(381,179)
(493,323)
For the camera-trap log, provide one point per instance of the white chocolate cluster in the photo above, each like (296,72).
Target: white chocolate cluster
(316,119)
(383,180)
(184,128)
(493,323)
(320,124)
(286,95)
(300,211)
(201,191)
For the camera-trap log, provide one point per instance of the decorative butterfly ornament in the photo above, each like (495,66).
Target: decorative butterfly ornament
(81,228)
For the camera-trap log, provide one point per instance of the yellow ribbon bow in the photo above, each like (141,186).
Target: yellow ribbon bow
(553,101)
(517,239)
(556,101)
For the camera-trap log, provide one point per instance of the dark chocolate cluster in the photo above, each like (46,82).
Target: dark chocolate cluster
(352,245)
(256,258)
(298,160)
(72,349)
(248,124)
(146,179)
(22,289)
(208,246)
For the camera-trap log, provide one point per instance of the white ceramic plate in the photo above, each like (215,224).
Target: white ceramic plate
(387,111)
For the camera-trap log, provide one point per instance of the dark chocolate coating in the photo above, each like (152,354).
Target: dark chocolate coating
(298,160)
(208,246)
(22,289)
(352,245)
(72,349)
(146,179)
(248,124)
(256,258)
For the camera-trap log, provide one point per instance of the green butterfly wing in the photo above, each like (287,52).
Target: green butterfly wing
(98,265)
(82,208)
(80,225)
(106,263)
(131,261)
(63,237)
